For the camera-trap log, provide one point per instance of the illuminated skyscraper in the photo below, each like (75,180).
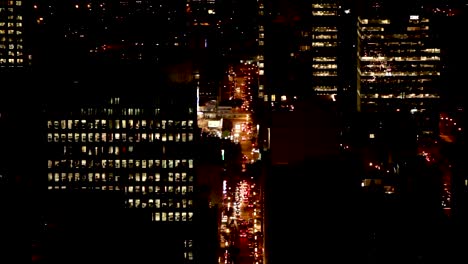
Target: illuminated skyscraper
(324,42)
(303,50)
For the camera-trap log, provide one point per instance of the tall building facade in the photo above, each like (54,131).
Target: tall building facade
(399,67)
(203,34)
(260,49)
(324,42)
(303,51)
(12,51)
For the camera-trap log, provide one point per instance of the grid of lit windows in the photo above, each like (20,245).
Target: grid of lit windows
(397,64)
(11,34)
(141,152)
(324,37)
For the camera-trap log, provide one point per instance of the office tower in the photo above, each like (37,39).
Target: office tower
(261,50)
(133,150)
(399,67)
(324,42)
(306,175)
(12,29)
(304,49)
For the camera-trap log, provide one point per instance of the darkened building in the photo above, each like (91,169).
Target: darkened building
(399,68)
(383,142)
(131,154)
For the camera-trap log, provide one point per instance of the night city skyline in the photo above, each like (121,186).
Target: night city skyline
(233,131)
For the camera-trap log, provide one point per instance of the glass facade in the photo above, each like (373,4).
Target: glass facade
(324,39)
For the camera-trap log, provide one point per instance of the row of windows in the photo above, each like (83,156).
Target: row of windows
(418,58)
(103,177)
(122,151)
(411,81)
(324,13)
(173,216)
(325,89)
(11,24)
(412,73)
(324,59)
(333,36)
(10,32)
(10,9)
(325,5)
(119,137)
(106,163)
(391,66)
(9,39)
(324,44)
(145,190)
(399,96)
(93,187)
(11,53)
(324,66)
(387,36)
(374,21)
(181,191)
(125,111)
(12,3)
(159,203)
(119,124)
(325,73)
(324,29)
